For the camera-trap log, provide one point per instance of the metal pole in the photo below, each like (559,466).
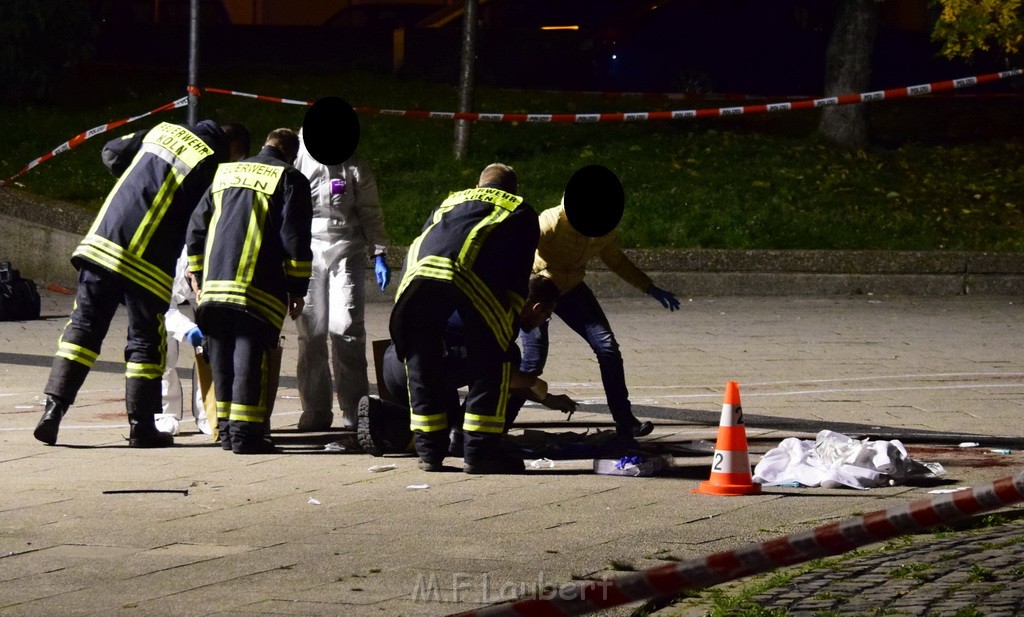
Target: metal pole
(466,77)
(193,61)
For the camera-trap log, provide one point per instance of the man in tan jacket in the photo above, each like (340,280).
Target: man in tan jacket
(571,234)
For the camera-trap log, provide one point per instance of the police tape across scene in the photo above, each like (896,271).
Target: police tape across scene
(639,116)
(582,597)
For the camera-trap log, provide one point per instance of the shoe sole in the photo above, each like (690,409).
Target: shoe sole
(431,467)
(45,434)
(365,435)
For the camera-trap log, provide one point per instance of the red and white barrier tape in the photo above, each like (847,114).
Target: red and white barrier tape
(673,96)
(845,99)
(197,91)
(722,96)
(77,140)
(584,597)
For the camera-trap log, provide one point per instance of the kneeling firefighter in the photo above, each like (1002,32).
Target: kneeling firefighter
(384,421)
(473,256)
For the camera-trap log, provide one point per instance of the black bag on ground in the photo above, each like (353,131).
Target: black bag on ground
(19,298)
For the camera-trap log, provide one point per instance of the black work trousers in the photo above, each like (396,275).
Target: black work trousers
(417,328)
(238,345)
(457,371)
(100,292)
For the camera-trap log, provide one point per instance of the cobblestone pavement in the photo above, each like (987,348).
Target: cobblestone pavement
(979,570)
(91,527)
(951,574)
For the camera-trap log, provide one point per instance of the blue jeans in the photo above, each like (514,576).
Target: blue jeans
(580,311)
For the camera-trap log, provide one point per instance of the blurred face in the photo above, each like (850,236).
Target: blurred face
(535,314)
(237,152)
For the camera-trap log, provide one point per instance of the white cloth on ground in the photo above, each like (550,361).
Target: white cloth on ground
(833,460)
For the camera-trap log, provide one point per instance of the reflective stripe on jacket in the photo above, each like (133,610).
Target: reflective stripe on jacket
(482,240)
(249,241)
(140,228)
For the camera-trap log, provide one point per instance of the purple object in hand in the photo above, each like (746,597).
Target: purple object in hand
(338,186)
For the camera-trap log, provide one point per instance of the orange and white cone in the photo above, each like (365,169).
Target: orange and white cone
(730,467)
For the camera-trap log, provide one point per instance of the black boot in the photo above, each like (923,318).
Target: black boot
(251,438)
(491,454)
(49,424)
(431,448)
(143,433)
(224,433)
(634,428)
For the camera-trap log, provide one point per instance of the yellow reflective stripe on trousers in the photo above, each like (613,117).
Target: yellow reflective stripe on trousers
(143,370)
(428,424)
(76,353)
(483,424)
(493,423)
(251,413)
(148,370)
(223,410)
(247,413)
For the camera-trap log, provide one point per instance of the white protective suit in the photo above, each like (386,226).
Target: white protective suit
(178,325)
(347,221)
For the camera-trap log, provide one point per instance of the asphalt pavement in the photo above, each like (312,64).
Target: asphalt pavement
(91,527)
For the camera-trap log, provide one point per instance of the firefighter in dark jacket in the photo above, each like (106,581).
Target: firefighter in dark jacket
(128,257)
(473,256)
(384,421)
(249,250)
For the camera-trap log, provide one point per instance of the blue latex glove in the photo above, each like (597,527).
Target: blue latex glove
(382,271)
(667,298)
(194,337)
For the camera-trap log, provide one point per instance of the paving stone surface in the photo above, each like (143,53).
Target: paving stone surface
(91,527)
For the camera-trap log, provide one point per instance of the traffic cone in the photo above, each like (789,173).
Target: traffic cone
(730,467)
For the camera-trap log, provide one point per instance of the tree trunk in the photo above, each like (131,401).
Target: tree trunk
(467,77)
(848,69)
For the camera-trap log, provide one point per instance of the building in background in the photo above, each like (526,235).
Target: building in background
(721,46)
